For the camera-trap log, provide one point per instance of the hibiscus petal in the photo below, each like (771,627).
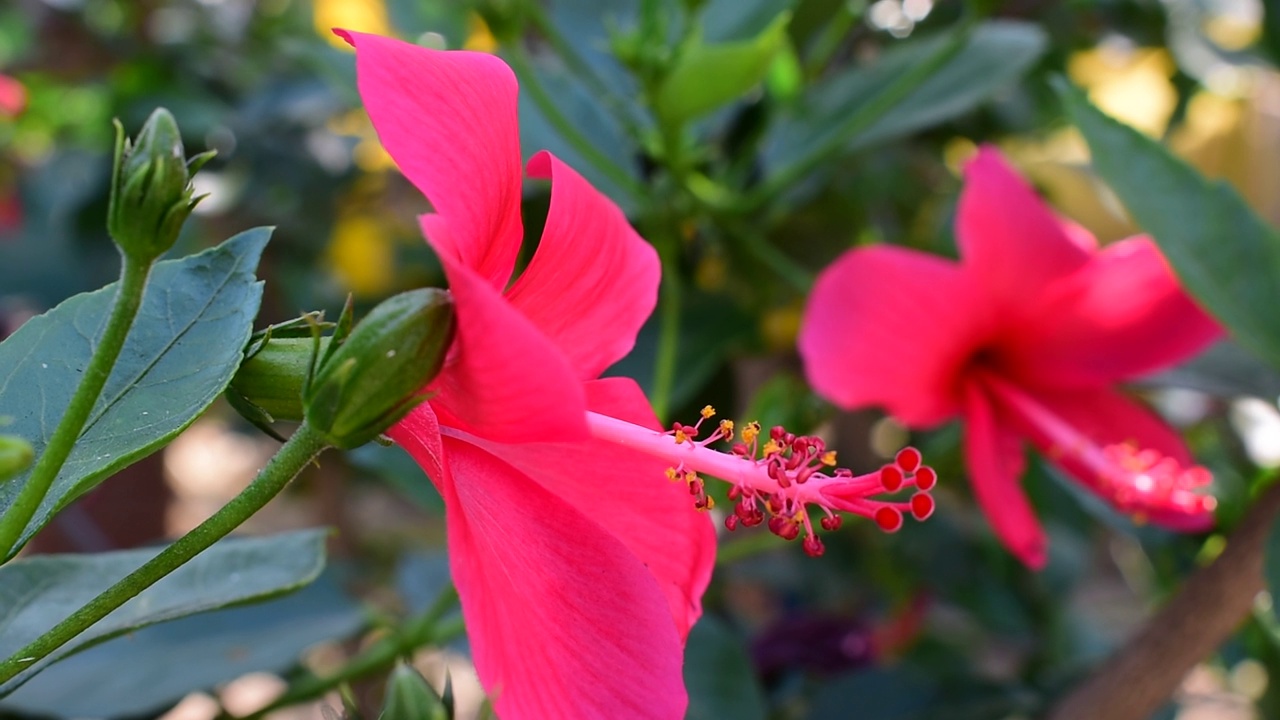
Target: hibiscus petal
(994,456)
(1108,417)
(628,492)
(563,619)
(448,119)
(503,380)
(1008,238)
(893,327)
(593,281)
(1121,315)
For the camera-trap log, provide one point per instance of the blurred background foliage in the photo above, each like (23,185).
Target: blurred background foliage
(751,141)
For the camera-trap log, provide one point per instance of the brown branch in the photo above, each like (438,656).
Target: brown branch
(1142,676)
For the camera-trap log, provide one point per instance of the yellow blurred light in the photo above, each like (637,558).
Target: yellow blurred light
(711,273)
(957,152)
(360,15)
(479,37)
(361,255)
(368,154)
(1132,85)
(1233,32)
(779,327)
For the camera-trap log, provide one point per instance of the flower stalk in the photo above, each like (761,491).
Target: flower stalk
(294,455)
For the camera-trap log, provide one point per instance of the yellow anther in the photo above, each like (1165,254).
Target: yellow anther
(829,458)
(710,504)
(726,429)
(750,432)
(681,437)
(708,412)
(672,474)
(771,448)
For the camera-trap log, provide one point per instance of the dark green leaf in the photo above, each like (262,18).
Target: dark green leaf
(1225,370)
(153,668)
(39,592)
(182,351)
(877,694)
(1224,254)
(996,55)
(718,676)
(590,118)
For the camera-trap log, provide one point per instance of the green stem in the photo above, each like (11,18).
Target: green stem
(133,282)
(294,455)
(422,631)
(862,118)
(664,366)
(830,37)
(519,61)
(793,273)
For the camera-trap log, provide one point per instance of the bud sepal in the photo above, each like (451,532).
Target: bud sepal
(373,375)
(151,190)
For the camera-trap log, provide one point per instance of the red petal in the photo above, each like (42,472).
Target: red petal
(629,494)
(892,327)
(1108,417)
(503,380)
(448,119)
(593,281)
(994,456)
(563,620)
(1008,238)
(1121,315)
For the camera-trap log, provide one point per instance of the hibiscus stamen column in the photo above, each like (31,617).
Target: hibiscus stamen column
(1142,482)
(779,477)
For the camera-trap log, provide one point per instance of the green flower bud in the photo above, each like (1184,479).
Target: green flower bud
(151,192)
(409,697)
(268,385)
(368,380)
(15,456)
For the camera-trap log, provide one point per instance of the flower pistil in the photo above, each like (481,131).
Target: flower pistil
(775,479)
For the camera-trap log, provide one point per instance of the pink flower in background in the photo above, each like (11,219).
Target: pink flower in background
(580,568)
(1024,339)
(13,97)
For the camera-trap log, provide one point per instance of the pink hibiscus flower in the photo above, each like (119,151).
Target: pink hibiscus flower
(579,565)
(1024,339)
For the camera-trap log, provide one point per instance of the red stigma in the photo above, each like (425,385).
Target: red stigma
(891,478)
(922,506)
(908,458)
(889,519)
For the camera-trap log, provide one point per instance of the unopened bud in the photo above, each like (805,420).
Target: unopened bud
(409,697)
(151,192)
(268,386)
(370,379)
(15,456)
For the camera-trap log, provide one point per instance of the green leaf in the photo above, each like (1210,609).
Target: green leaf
(409,697)
(181,352)
(718,676)
(1224,370)
(901,693)
(709,76)
(1224,254)
(151,669)
(39,592)
(995,56)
